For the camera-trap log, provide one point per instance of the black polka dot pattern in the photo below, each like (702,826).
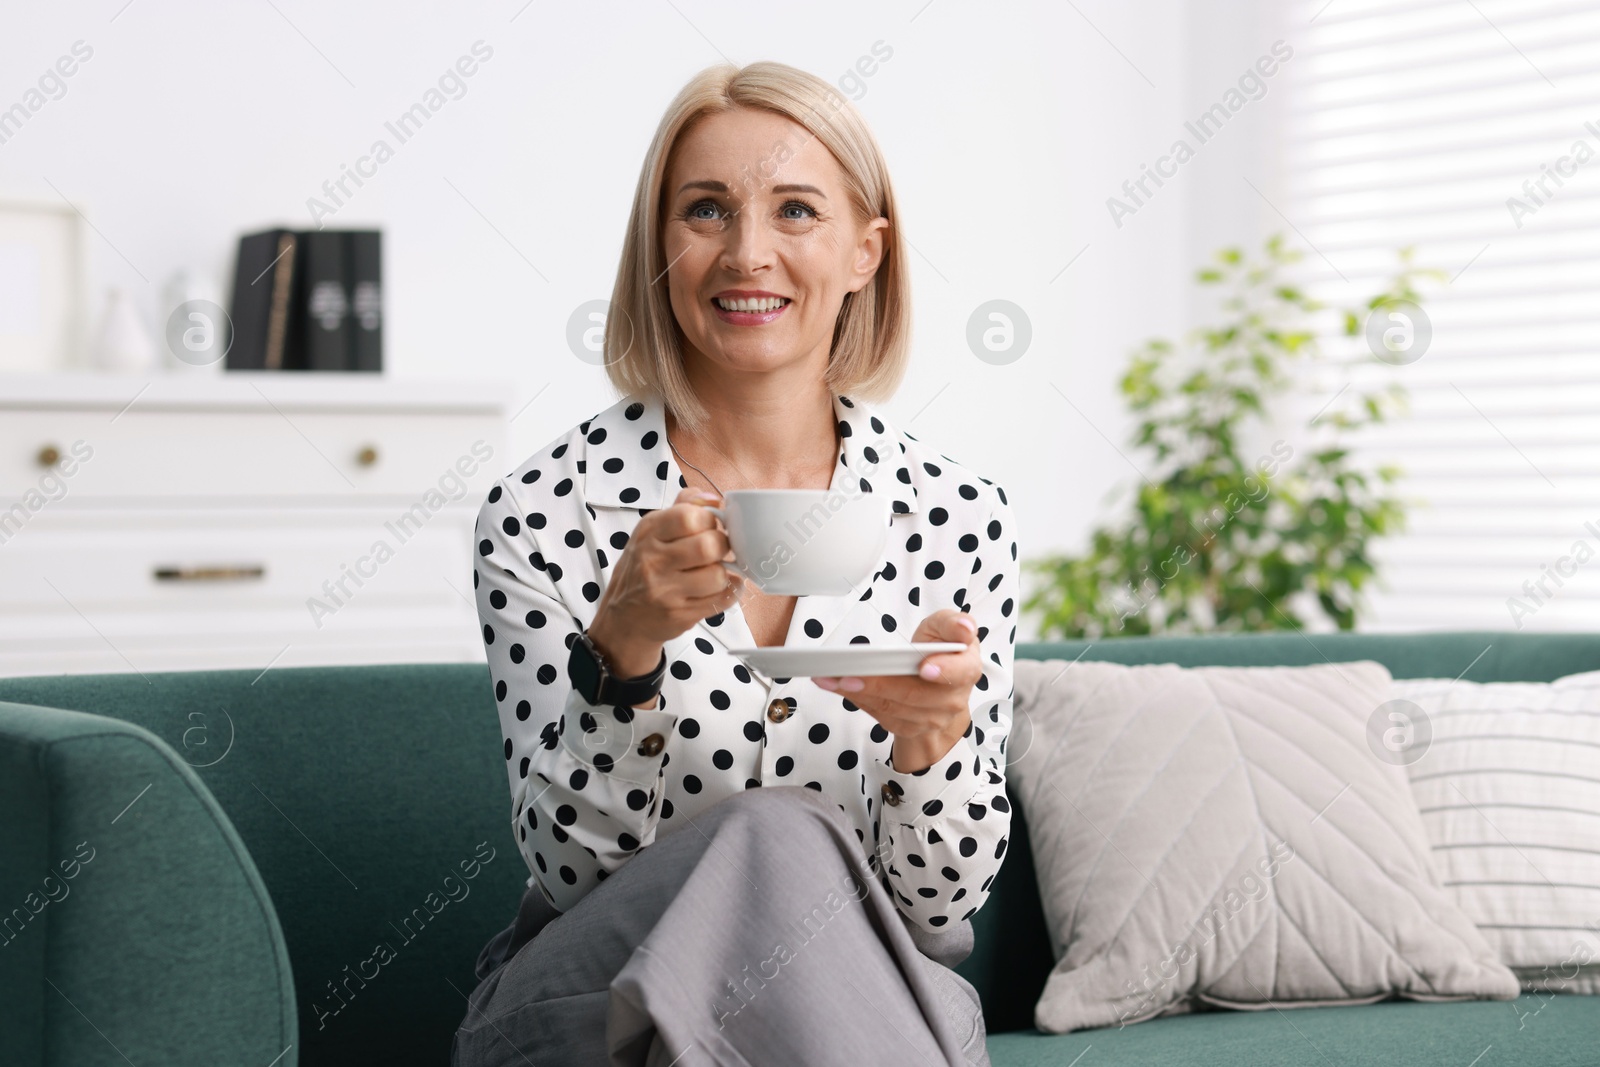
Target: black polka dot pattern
(592,785)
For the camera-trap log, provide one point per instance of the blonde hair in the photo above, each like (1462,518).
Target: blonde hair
(871,339)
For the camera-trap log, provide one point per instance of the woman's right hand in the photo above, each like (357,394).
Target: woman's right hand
(669,577)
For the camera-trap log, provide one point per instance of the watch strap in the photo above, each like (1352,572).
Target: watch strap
(588,671)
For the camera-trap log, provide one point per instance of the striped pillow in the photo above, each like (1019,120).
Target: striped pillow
(1507,777)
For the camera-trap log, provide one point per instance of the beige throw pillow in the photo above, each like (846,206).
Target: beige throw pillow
(1228,836)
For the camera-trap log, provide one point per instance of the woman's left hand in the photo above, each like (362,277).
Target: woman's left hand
(929,712)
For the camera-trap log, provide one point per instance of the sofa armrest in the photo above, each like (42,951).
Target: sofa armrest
(134,926)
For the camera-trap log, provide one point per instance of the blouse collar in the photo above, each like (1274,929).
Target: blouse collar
(628,463)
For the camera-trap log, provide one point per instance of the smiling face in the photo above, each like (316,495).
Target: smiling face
(761,241)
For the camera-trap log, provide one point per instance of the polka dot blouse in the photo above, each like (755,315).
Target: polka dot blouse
(592,785)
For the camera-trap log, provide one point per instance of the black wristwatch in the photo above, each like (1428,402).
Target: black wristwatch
(593,680)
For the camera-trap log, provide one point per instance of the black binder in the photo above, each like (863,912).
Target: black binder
(262,301)
(364,259)
(323,326)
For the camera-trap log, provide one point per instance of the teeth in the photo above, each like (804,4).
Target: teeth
(766,303)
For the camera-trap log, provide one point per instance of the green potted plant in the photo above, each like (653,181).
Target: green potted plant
(1216,536)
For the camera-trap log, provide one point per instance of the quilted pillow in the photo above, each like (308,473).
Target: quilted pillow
(1228,836)
(1505,775)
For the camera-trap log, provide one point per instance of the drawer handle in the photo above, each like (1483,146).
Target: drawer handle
(367,456)
(48,456)
(209,574)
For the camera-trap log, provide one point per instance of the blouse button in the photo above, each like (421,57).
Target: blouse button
(778,710)
(650,746)
(890,797)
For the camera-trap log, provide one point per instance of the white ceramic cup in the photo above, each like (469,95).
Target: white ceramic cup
(804,542)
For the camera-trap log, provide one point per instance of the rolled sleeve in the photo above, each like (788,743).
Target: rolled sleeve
(623,742)
(916,798)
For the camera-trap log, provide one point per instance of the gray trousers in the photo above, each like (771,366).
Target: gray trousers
(759,934)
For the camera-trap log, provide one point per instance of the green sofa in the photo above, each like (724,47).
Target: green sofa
(300,867)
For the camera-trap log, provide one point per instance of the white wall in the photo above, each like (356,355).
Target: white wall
(1006,126)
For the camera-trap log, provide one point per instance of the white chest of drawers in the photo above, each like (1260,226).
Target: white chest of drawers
(240,520)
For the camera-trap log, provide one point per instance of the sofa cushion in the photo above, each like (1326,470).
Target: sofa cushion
(1227,835)
(1554,1030)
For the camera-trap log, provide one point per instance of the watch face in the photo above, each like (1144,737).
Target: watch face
(585,671)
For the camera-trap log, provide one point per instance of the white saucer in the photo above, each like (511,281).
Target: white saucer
(860,661)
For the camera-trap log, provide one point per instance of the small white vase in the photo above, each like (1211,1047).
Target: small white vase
(122,344)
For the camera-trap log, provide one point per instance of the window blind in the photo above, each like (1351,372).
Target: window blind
(1470,129)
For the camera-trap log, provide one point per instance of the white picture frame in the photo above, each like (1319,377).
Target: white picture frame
(41,285)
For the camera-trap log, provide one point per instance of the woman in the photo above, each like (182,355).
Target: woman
(729,868)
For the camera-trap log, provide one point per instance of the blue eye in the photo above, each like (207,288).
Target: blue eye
(710,211)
